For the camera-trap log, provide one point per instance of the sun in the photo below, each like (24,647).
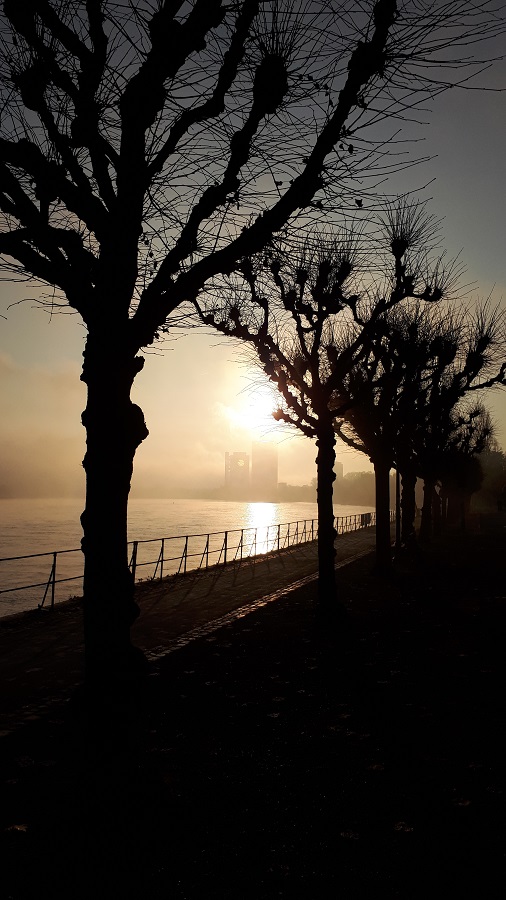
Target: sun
(259,409)
(253,411)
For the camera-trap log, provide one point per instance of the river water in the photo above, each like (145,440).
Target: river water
(30,527)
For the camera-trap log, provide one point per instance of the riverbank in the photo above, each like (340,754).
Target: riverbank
(48,526)
(281,757)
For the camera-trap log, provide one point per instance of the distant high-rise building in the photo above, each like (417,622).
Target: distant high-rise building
(264,470)
(237,472)
(339,469)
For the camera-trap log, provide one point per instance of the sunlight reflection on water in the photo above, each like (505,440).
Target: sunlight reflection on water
(261,515)
(266,524)
(264,518)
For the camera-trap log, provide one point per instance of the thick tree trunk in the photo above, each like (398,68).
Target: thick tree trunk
(325,461)
(114,429)
(408,507)
(426,523)
(383,542)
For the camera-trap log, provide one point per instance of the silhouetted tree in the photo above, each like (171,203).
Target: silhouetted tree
(376,413)
(460,470)
(146,147)
(421,341)
(468,362)
(370,426)
(422,362)
(309,318)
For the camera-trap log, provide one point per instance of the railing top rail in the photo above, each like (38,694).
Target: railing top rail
(35,555)
(25,587)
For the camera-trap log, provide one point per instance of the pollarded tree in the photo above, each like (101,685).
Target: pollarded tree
(450,418)
(146,147)
(371,424)
(415,344)
(368,397)
(422,363)
(424,339)
(285,306)
(310,317)
(460,471)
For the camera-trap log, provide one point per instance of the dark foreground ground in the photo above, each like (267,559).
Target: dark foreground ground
(281,756)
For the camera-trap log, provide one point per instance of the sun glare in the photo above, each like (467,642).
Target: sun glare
(253,412)
(262,515)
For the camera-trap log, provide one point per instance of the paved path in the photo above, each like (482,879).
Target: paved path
(279,757)
(41,652)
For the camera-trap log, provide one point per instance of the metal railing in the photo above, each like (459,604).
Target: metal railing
(184,553)
(49,584)
(178,555)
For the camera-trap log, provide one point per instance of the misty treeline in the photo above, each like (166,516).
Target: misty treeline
(147,148)
(484,487)
(358,488)
(491,492)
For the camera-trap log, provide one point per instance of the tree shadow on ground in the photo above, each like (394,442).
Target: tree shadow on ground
(281,757)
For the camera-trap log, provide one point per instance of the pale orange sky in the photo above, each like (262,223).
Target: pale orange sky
(197,398)
(194,392)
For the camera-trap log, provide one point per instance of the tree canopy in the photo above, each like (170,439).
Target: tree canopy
(146,148)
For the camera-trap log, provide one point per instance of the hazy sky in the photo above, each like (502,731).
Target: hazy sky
(196,395)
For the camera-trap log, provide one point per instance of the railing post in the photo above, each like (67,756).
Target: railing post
(225,544)
(50,581)
(133,561)
(205,554)
(182,561)
(159,562)
(279,534)
(53,582)
(162,554)
(185,551)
